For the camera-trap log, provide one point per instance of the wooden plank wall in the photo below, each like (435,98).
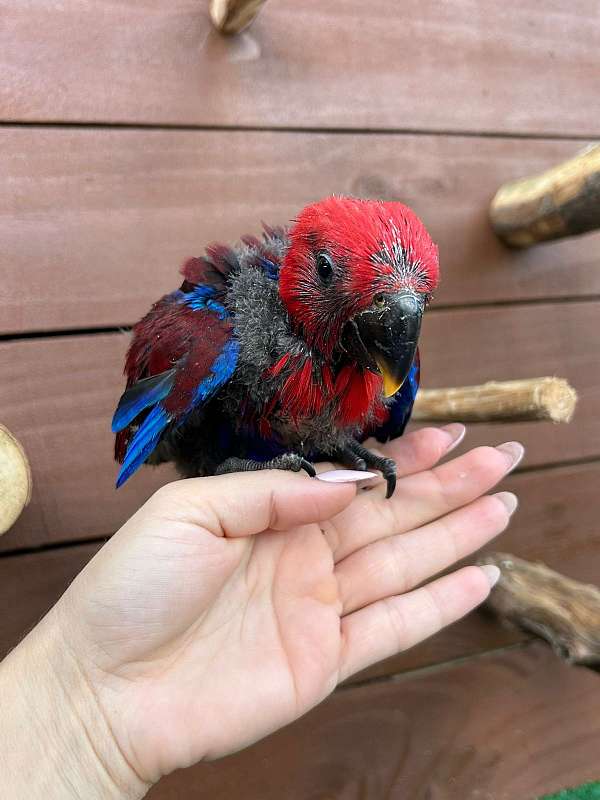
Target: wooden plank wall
(132,134)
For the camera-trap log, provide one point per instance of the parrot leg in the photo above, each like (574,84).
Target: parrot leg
(386,466)
(291,461)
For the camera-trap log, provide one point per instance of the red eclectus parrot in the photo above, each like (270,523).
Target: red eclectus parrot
(283,350)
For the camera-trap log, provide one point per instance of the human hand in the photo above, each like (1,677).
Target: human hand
(228,606)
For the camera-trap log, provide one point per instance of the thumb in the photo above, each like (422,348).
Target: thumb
(243,504)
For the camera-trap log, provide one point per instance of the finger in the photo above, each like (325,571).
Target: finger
(243,504)
(420,449)
(397,623)
(399,563)
(417,451)
(421,498)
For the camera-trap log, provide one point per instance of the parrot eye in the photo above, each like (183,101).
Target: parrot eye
(325,267)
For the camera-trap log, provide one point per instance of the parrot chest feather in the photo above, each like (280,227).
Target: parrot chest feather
(290,390)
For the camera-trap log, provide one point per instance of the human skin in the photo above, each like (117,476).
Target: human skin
(228,606)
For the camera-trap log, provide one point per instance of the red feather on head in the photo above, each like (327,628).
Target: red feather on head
(383,247)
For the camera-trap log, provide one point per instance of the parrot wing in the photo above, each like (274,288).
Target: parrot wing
(401,407)
(182,353)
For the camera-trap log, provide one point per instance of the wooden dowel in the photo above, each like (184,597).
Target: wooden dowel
(564,612)
(234,16)
(564,201)
(498,401)
(15,479)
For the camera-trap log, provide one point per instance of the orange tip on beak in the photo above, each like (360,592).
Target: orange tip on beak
(390,383)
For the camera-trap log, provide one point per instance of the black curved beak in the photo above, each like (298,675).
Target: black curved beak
(388,334)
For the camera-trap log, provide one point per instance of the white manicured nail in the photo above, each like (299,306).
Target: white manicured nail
(513,452)
(344,476)
(509,500)
(491,572)
(456,431)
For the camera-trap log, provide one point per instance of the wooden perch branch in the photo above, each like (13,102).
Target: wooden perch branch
(564,201)
(233,16)
(564,612)
(15,479)
(533,399)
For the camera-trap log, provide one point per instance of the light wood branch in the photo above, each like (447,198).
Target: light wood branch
(564,612)
(15,479)
(564,201)
(234,16)
(532,399)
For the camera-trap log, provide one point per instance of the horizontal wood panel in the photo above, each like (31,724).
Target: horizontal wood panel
(557,520)
(30,584)
(95,223)
(516,725)
(58,395)
(473,346)
(416,65)
(57,399)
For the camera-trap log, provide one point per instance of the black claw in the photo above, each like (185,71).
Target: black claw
(356,453)
(391,485)
(308,467)
(388,469)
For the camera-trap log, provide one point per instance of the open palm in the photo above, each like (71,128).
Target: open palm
(229,606)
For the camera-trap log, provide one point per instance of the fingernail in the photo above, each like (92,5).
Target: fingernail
(513,452)
(345,476)
(491,572)
(509,501)
(456,431)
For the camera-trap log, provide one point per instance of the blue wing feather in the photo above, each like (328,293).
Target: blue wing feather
(140,396)
(221,370)
(143,443)
(200,298)
(149,393)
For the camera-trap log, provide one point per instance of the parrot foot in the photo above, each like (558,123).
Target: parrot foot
(349,459)
(287,461)
(386,466)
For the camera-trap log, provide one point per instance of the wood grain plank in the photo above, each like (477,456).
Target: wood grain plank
(557,520)
(522,342)
(419,65)
(30,584)
(95,223)
(58,395)
(508,726)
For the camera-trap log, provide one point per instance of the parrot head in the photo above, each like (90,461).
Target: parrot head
(355,281)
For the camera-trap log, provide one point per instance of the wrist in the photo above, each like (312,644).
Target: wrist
(55,742)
